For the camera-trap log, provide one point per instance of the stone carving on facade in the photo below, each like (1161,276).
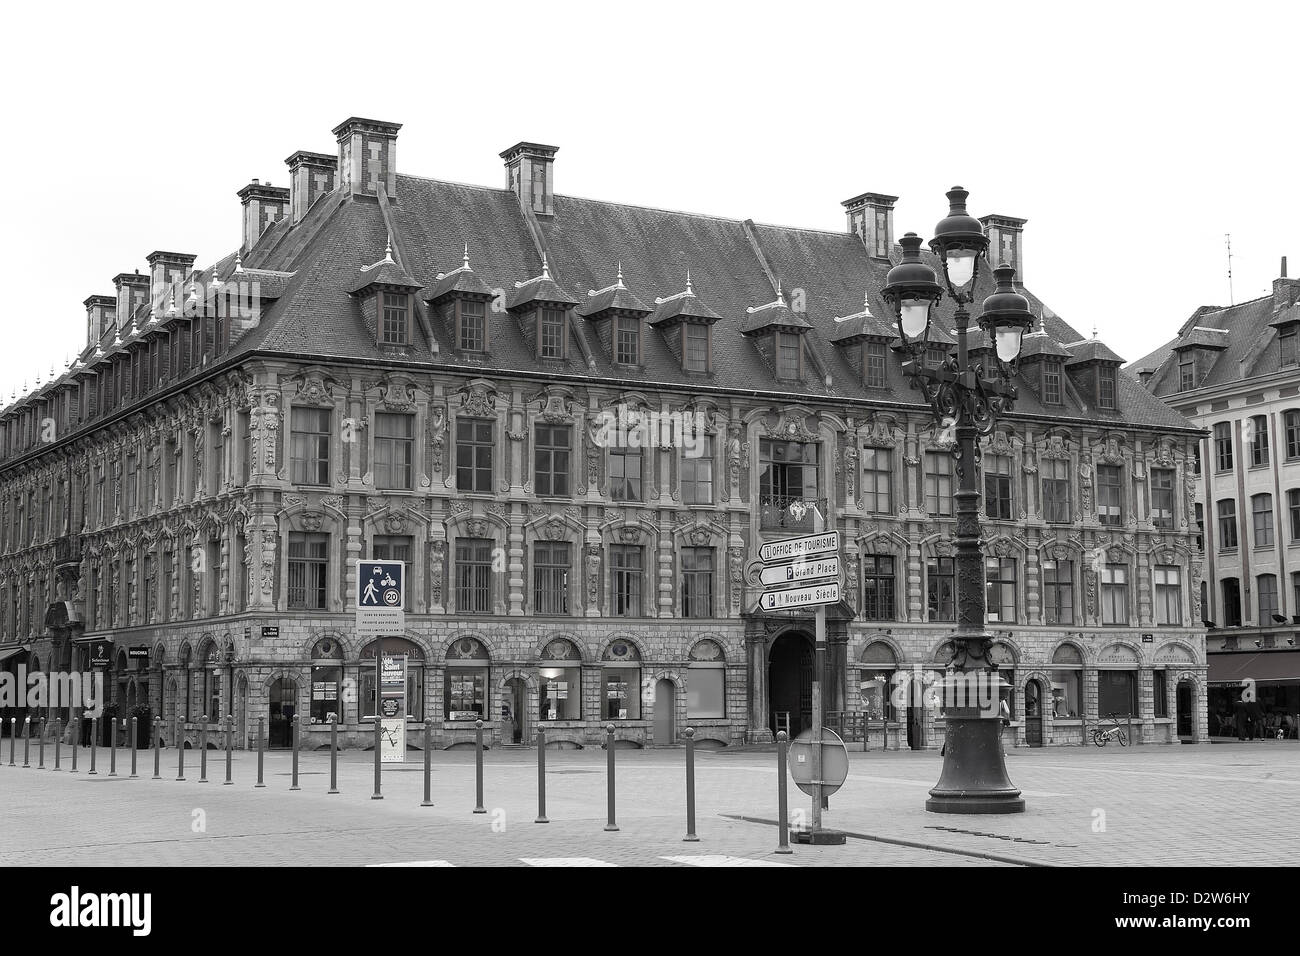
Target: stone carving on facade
(553,530)
(398,393)
(556,410)
(594,439)
(851,468)
(1090,591)
(478,399)
(457,507)
(792,425)
(629,535)
(395,524)
(1195,595)
(477,527)
(1085,482)
(851,582)
(311,520)
(593,575)
(313,387)
(733,461)
(1111,454)
(1055,446)
(437,558)
(437,432)
(736,574)
(943,548)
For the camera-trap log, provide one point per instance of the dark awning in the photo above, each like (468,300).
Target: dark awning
(1264,666)
(8,652)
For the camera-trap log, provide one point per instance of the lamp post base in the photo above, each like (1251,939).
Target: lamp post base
(821,837)
(974,778)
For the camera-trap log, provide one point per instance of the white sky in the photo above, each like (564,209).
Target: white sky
(1131,135)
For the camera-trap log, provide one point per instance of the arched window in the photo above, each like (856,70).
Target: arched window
(186,701)
(210,682)
(393,647)
(620,676)
(465,682)
(1004,657)
(326,679)
(706,681)
(876,679)
(1067,673)
(559,674)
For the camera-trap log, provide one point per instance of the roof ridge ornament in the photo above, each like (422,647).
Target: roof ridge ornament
(464,262)
(689,293)
(546,268)
(618,283)
(239,263)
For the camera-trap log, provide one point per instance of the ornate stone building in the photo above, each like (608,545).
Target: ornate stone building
(576,421)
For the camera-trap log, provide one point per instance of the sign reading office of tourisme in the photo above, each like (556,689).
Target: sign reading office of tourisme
(806,546)
(380,595)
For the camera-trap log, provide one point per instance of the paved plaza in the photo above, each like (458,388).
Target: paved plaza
(1229,804)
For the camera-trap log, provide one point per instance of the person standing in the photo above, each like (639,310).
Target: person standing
(1239,718)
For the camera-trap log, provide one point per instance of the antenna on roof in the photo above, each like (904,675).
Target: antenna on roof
(1228,238)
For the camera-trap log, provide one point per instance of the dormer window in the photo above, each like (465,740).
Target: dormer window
(1186,372)
(695,347)
(550,333)
(1051,383)
(471,326)
(615,314)
(687,326)
(1287,339)
(395,321)
(873,357)
(789,355)
(627,340)
(1105,387)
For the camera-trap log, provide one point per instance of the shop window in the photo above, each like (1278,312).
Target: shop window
(465,681)
(1067,672)
(326,679)
(620,680)
(706,681)
(876,681)
(1116,692)
(393,646)
(560,682)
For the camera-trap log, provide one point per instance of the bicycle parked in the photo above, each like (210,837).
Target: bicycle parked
(1102,736)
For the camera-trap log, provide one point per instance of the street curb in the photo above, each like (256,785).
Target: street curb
(913,844)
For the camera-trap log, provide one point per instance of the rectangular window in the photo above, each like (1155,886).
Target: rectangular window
(1227,524)
(473,326)
(396,547)
(552,562)
(1105,387)
(625,474)
(1169,594)
(625,583)
(550,334)
(310,446)
(1266,589)
(308,564)
(706,690)
(1000,589)
(473,455)
(465,693)
(559,695)
(1231,602)
(939,590)
(394,451)
(1117,693)
(1261,514)
(1291,420)
(697,471)
(1160,691)
(1162,498)
(1186,373)
(938,483)
(1258,441)
(997,487)
(1293,509)
(1286,340)
(878,587)
(875,364)
(697,582)
(1110,498)
(627,340)
(1196,458)
(1056,490)
(877,475)
(1058,592)
(788,473)
(695,347)
(788,352)
(393,329)
(1223,446)
(551,449)
(1114,594)
(474,575)
(1051,382)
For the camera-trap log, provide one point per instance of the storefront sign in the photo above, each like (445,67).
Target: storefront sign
(1148,638)
(272,630)
(139,654)
(100,653)
(392,708)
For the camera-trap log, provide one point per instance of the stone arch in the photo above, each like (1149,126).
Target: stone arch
(900,659)
(628,637)
(892,541)
(1132,647)
(1179,645)
(280,673)
(1080,649)
(490,645)
(722,649)
(584,652)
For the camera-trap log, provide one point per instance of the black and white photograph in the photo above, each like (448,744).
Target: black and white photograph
(669,437)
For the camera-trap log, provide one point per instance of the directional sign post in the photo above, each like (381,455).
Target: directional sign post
(801,571)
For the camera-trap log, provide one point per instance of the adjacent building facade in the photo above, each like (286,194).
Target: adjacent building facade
(576,422)
(1236,373)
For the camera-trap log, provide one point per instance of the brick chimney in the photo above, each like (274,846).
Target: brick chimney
(263,205)
(311,175)
(1005,243)
(1286,292)
(367,156)
(530,175)
(166,268)
(871,219)
(100,311)
(132,292)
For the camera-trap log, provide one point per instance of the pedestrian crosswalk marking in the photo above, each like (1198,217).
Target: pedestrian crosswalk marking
(719,860)
(415,863)
(563,861)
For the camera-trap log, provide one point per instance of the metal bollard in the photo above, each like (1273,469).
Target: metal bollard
(230,731)
(76,737)
(261,750)
(112,747)
(610,825)
(27,741)
(157,750)
(478,767)
(58,742)
(94,742)
(689,734)
(203,749)
(13,735)
(334,754)
(180,750)
(297,724)
(377,795)
(428,761)
(541,777)
(135,729)
(783,809)
(40,744)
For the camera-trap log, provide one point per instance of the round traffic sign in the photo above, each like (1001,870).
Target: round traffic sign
(835,761)
(390,707)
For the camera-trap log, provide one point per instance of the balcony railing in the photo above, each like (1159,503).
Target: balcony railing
(777,514)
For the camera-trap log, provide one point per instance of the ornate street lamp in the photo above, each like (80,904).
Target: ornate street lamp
(974,778)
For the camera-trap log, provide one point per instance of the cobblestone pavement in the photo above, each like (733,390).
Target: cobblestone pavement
(1220,804)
